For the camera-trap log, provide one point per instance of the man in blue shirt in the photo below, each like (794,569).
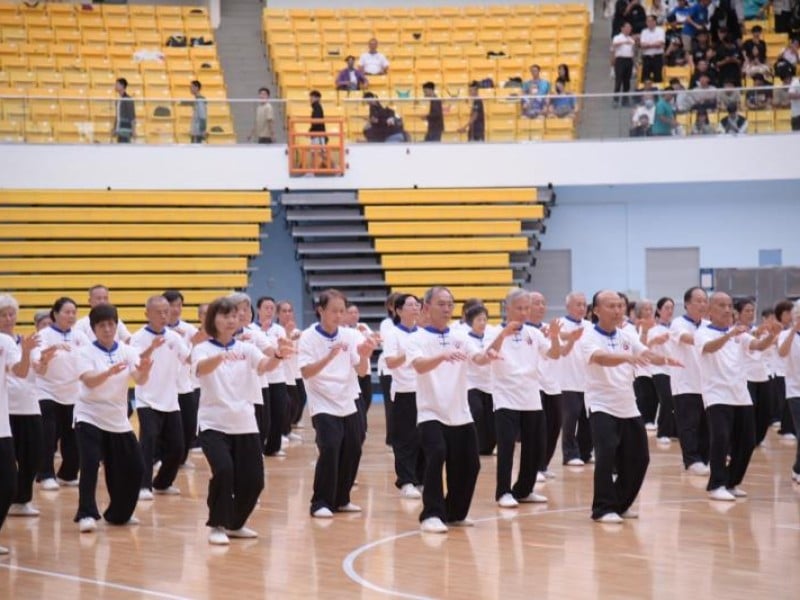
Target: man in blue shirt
(696,19)
(536,91)
(664,120)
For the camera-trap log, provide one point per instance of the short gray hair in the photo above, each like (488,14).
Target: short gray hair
(240,297)
(8,301)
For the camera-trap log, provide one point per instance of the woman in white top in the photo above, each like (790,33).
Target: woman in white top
(759,385)
(643,386)
(479,383)
(657,341)
(330,356)
(280,423)
(24,415)
(228,429)
(294,381)
(789,351)
(409,463)
(102,428)
(57,388)
(384,375)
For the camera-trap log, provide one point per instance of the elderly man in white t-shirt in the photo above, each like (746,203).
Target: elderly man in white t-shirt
(789,351)
(731,417)
(373,62)
(620,439)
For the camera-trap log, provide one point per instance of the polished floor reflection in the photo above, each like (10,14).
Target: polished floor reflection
(682,545)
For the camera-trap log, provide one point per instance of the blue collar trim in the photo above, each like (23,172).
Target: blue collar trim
(602,331)
(221,345)
(325,334)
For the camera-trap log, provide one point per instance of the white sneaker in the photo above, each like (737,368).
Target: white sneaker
(410,492)
(295,437)
(133,521)
(533,498)
(507,501)
(737,492)
(87,525)
(170,491)
(698,468)
(242,533)
(775,424)
(590,460)
(197,450)
(145,495)
(462,523)
(795,477)
(349,508)
(540,477)
(322,513)
(789,437)
(218,537)
(278,454)
(664,440)
(68,482)
(721,494)
(3,550)
(284,440)
(609,518)
(49,485)
(188,465)
(433,525)
(650,427)
(575,462)
(23,510)
(630,514)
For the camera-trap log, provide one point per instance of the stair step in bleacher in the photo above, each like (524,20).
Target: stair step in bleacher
(346,280)
(317,199)
(330,231)
(300,215)
(335,248)
(341,264)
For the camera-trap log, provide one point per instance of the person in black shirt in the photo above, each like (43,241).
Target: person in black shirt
(317,127)
(384,124)
(754,42)
(701,47)
(435,116)
(729,60)
(476,126)
(126,113)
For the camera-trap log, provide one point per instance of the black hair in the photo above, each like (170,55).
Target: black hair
(565,78)
(767,312)
(196,84)
(474,312)
(369,95)
(220,306)
(661,302)
(123,82)
(428,85)
(102,312)
(740,303)
(399,302)
(330,294)
(265,89)
(59,304)
(687,296)
(782,307)
(468,304)
(263,299)
(389,304)
(315,94)
(172,296)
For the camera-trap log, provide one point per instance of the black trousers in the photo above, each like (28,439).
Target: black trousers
(551,404)
(652,67)
(8,477)
(784,414)
(291,409)
(386,390)
(482,409)
(57,427)
(237,476)
(454,449)
(623,71)
(188,404)
(409,462)
(339,444)
(795,123)
(646,398)
(263,418)
(620,446)
(690,415)
(761,395)
(28,449)
(733,434)
(278,404)
(529,427)
(576,434)
(123,467)
(365,385)
(794,407)
(162,430)
(301,404)
(667,426)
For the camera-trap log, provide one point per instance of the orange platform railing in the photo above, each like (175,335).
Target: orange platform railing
(316,152)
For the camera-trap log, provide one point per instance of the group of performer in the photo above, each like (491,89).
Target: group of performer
(599,378)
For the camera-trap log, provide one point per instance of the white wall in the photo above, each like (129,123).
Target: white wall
(405,165)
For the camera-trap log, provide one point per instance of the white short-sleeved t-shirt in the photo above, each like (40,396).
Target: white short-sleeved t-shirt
(610,389)
(160,392)
(442,391)
(60,382)
(105,406)
(373,64)
(186,331)
(656,36)
(722,373)
(572,367)
(548,367)
(515,375)
(253,335)
(404,377)
(275,332)
(290,368)
(479,377)
(755,365)
(792,364)
(22,396)
(9,356)
(85,328)
(657,330)
(224,403)
(385,328)
(333,390)
(685,380)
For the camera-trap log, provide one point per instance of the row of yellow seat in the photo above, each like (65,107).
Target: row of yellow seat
(62,9)
(461,238)
(768,120)
(56,242)
(394,13)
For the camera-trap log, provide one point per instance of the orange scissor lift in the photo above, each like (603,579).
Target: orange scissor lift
(315,153)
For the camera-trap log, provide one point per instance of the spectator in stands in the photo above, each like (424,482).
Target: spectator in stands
(651,41)
(794,102)
(561,104)
(658,10)
(780,89)
(755,42)
(641,127)
(679,14)
(705,94)
(647,87)
(787,95)
(264,126)
(373,62)
(728,94)
(755,9)
(384,124)
(696,19)
(628,11)
(350,78)
(535,91)
(791,53)
(317,130)
(759,96)
(701,48)
(647,107)
(701,124)
(476,126)
(675,55)
(664,121)
(681,101)
(729,60)
(435,116)
(782,9)
(622,47)
(199,125)
(754,64)
(125,120)
(701,69)
(562,73)
(733,123)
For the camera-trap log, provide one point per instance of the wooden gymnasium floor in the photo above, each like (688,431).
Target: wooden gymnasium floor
(682,546)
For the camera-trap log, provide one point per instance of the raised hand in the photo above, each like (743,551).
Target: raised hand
(29,342)
(660,339)
(117,368)
(575,334)
(337,349)
(366,348)
(454,356)
(285,347)
(145,364)
(511,328)
(493,355)
(47,354)
(738,330)
(157,342)
(553,330)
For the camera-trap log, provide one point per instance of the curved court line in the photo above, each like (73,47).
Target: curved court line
(97,582)
(349,560)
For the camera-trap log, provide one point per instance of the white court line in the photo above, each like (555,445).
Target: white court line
(97,582)
(349,560)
